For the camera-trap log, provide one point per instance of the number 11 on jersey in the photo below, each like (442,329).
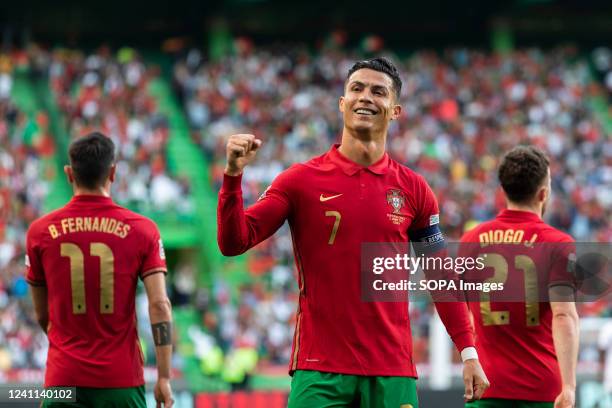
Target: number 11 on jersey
(77,275)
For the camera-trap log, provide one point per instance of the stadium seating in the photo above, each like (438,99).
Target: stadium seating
(26,171)
(462,108)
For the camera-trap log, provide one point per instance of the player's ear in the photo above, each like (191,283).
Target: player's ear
(111,173)
(69,173)
(543,194)
(341,104)
(396,112)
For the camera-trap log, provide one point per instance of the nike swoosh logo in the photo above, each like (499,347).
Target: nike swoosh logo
(323,198)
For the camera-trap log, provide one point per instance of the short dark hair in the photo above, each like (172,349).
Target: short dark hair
(522,172)
(91,158)
(383,65)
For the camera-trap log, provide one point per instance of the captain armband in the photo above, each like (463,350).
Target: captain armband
(427,240)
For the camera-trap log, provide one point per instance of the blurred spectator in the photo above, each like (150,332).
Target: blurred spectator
(605,348)
(110,94)
(602,60)
(24,145)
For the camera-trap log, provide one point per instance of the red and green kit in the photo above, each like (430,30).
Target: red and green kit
(514,336)
(90,255)
(333,205)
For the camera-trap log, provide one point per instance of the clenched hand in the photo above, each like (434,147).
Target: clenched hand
(240,151)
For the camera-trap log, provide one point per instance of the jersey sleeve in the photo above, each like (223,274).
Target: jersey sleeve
(240,229)
(35,275)
(426,237)
(153,255)
(424,231)
(563,263)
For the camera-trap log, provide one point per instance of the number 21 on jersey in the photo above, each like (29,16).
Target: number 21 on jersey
(500,267)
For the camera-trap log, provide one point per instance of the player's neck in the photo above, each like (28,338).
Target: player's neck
(362,151)
(534,208)
(100,191)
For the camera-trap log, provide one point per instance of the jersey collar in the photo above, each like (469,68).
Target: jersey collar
(349,167)
(521,215)
(90,198)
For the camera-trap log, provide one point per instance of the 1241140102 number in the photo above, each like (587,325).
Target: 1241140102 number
(65,394)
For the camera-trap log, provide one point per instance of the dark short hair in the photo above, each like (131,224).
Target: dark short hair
(91,158)
(381,65)
(522,172)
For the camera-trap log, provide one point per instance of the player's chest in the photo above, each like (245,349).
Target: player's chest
(364,205)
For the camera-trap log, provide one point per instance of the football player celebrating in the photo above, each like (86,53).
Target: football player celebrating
(346,351)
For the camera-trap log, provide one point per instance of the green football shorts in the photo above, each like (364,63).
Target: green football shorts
(321,390)
(132,397)
(506,403)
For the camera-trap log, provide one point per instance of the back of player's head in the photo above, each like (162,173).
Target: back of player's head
(383,65)
(523,170)
(91,158)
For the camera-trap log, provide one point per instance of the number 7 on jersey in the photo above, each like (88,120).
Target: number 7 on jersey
(334,231)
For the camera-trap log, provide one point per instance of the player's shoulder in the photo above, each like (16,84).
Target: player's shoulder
(407,176)
(43,221)
(137,221)
(295,170)
(405,172)
(286,178)
(552,234)
(321,162)
(301,171)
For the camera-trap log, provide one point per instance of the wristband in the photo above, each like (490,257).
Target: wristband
(468,353)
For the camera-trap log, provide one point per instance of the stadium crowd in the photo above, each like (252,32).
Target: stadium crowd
(99,91)
(25,144)
(462,110)
(602,62)
(110,93)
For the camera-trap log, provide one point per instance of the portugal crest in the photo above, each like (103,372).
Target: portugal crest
(396,199)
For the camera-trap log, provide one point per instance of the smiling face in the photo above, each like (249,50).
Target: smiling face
(369,103)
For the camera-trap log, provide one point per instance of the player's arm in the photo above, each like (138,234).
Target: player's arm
(427,239)
(456,318)
(565,328)
(35,276)
(239,230)
(41,308)
(160,314)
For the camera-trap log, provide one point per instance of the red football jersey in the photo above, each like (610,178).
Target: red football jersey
(514,337)
(333,206)
(89,254)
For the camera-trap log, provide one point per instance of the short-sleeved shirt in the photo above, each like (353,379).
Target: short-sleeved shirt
(90,254)
(514,336)
(333,205)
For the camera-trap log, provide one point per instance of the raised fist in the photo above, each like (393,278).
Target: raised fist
(240,151)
